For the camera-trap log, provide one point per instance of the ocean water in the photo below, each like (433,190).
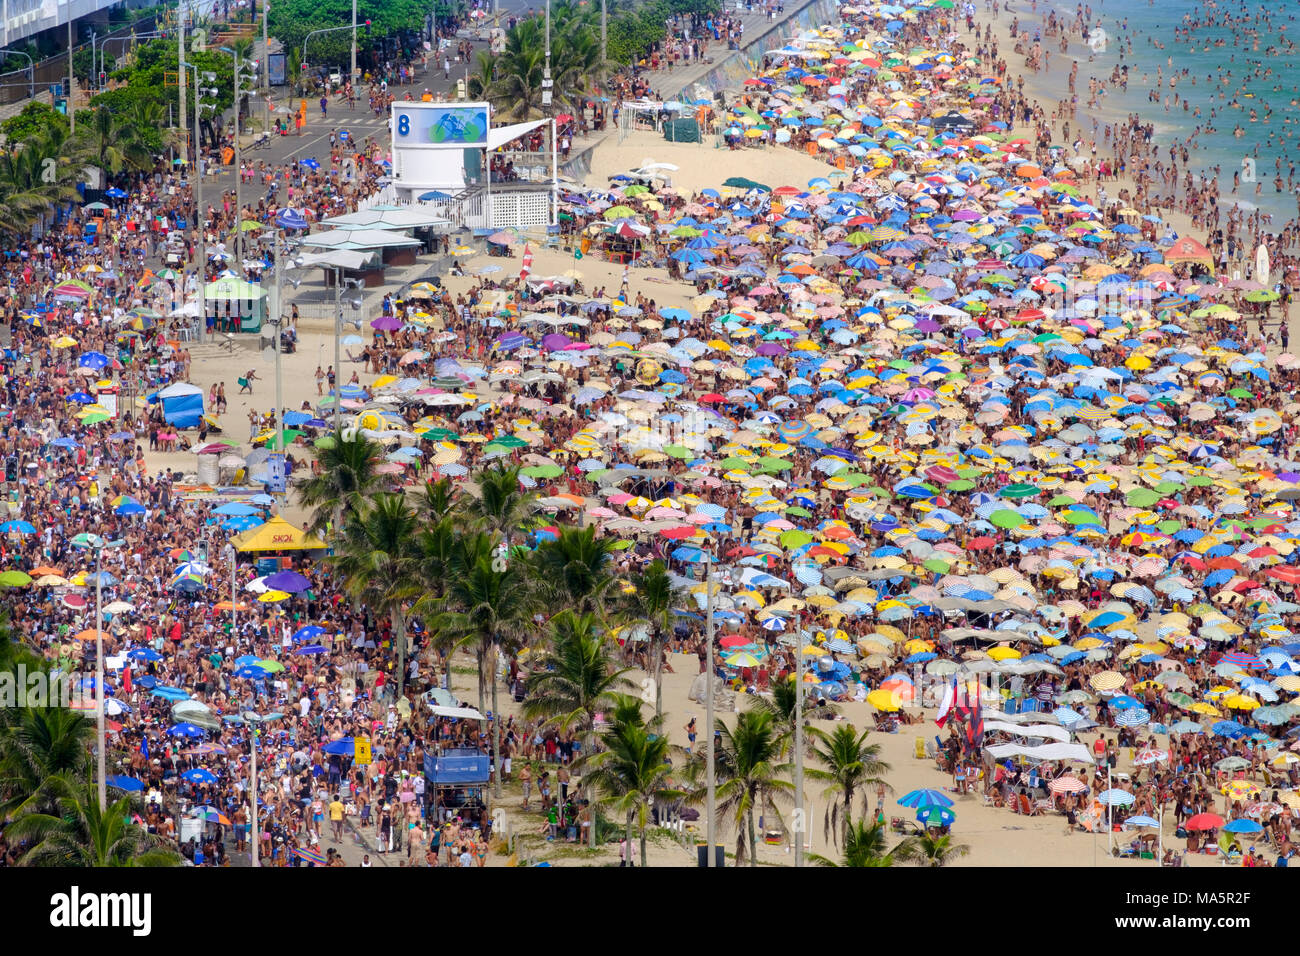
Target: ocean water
(1261,69)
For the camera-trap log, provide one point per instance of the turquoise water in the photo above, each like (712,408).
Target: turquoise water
(1244,54)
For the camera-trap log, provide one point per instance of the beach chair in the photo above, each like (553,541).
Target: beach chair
(1027,808)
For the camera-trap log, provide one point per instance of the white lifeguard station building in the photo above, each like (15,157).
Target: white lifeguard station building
(444,155)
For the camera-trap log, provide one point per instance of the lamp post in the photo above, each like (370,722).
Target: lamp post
(353,75)
(180,58)
(72,108)
(255,843)
(234,604)
(710,806)
(239,160)
(252,718)
(31,69)
(198,189)
(546,75)
(97,544)
(801,825)
(354,299)
(266,54)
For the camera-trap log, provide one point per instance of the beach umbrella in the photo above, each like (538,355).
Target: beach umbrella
(1203,821)
(1067,784)
(935,816)
(924,798)
(1141,821)
(199,775)
(1116,798)
(290,581)
(185,729)
(129,784)
(1242,825)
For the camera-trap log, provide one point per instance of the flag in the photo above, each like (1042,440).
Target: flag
(144,746)
(945,708)
(528,263)
(126,680)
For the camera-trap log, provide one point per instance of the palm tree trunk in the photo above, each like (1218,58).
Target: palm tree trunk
(479,654)
(753,843)
(588,748)
(848,812)
(641,821)
(496,723)
(657,668)
(628,841)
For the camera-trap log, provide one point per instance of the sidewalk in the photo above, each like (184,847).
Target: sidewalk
(669,85)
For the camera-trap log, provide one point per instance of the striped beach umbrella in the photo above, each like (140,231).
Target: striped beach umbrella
(1067,784)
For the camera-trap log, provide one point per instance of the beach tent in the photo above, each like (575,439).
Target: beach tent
(1188,249)
(682,130)
(276,535)
(182,404)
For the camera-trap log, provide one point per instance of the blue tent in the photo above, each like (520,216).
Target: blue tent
(182,404)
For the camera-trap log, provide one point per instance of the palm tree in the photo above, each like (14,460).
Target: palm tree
(79,834)
(376,554)
(34,177)
(748,775)
(851,765)
(781,707)
(651,604)
(867,844)
(516,89)
(574,569)
(99,141)
(501,506)
(491,606)
(348,476)
(574,679)
(436,500)
(937,851)
(632,770)
(42,743)
(482,77)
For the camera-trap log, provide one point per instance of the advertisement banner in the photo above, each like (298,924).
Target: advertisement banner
(438,125)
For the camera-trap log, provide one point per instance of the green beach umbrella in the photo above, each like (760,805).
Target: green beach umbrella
(1007,519)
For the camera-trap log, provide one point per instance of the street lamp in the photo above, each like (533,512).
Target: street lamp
(709,749)
(239,163)
(94,542)
(354,300)
(31,70)
(253,718)
(198,180)
(230,555)
(799,815)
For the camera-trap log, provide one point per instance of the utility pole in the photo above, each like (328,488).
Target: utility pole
(266,53)
(279,313)
(546,76)
(604,32)
(180,58)
(353,75)
(801,826)
(710,806)
(72,85)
